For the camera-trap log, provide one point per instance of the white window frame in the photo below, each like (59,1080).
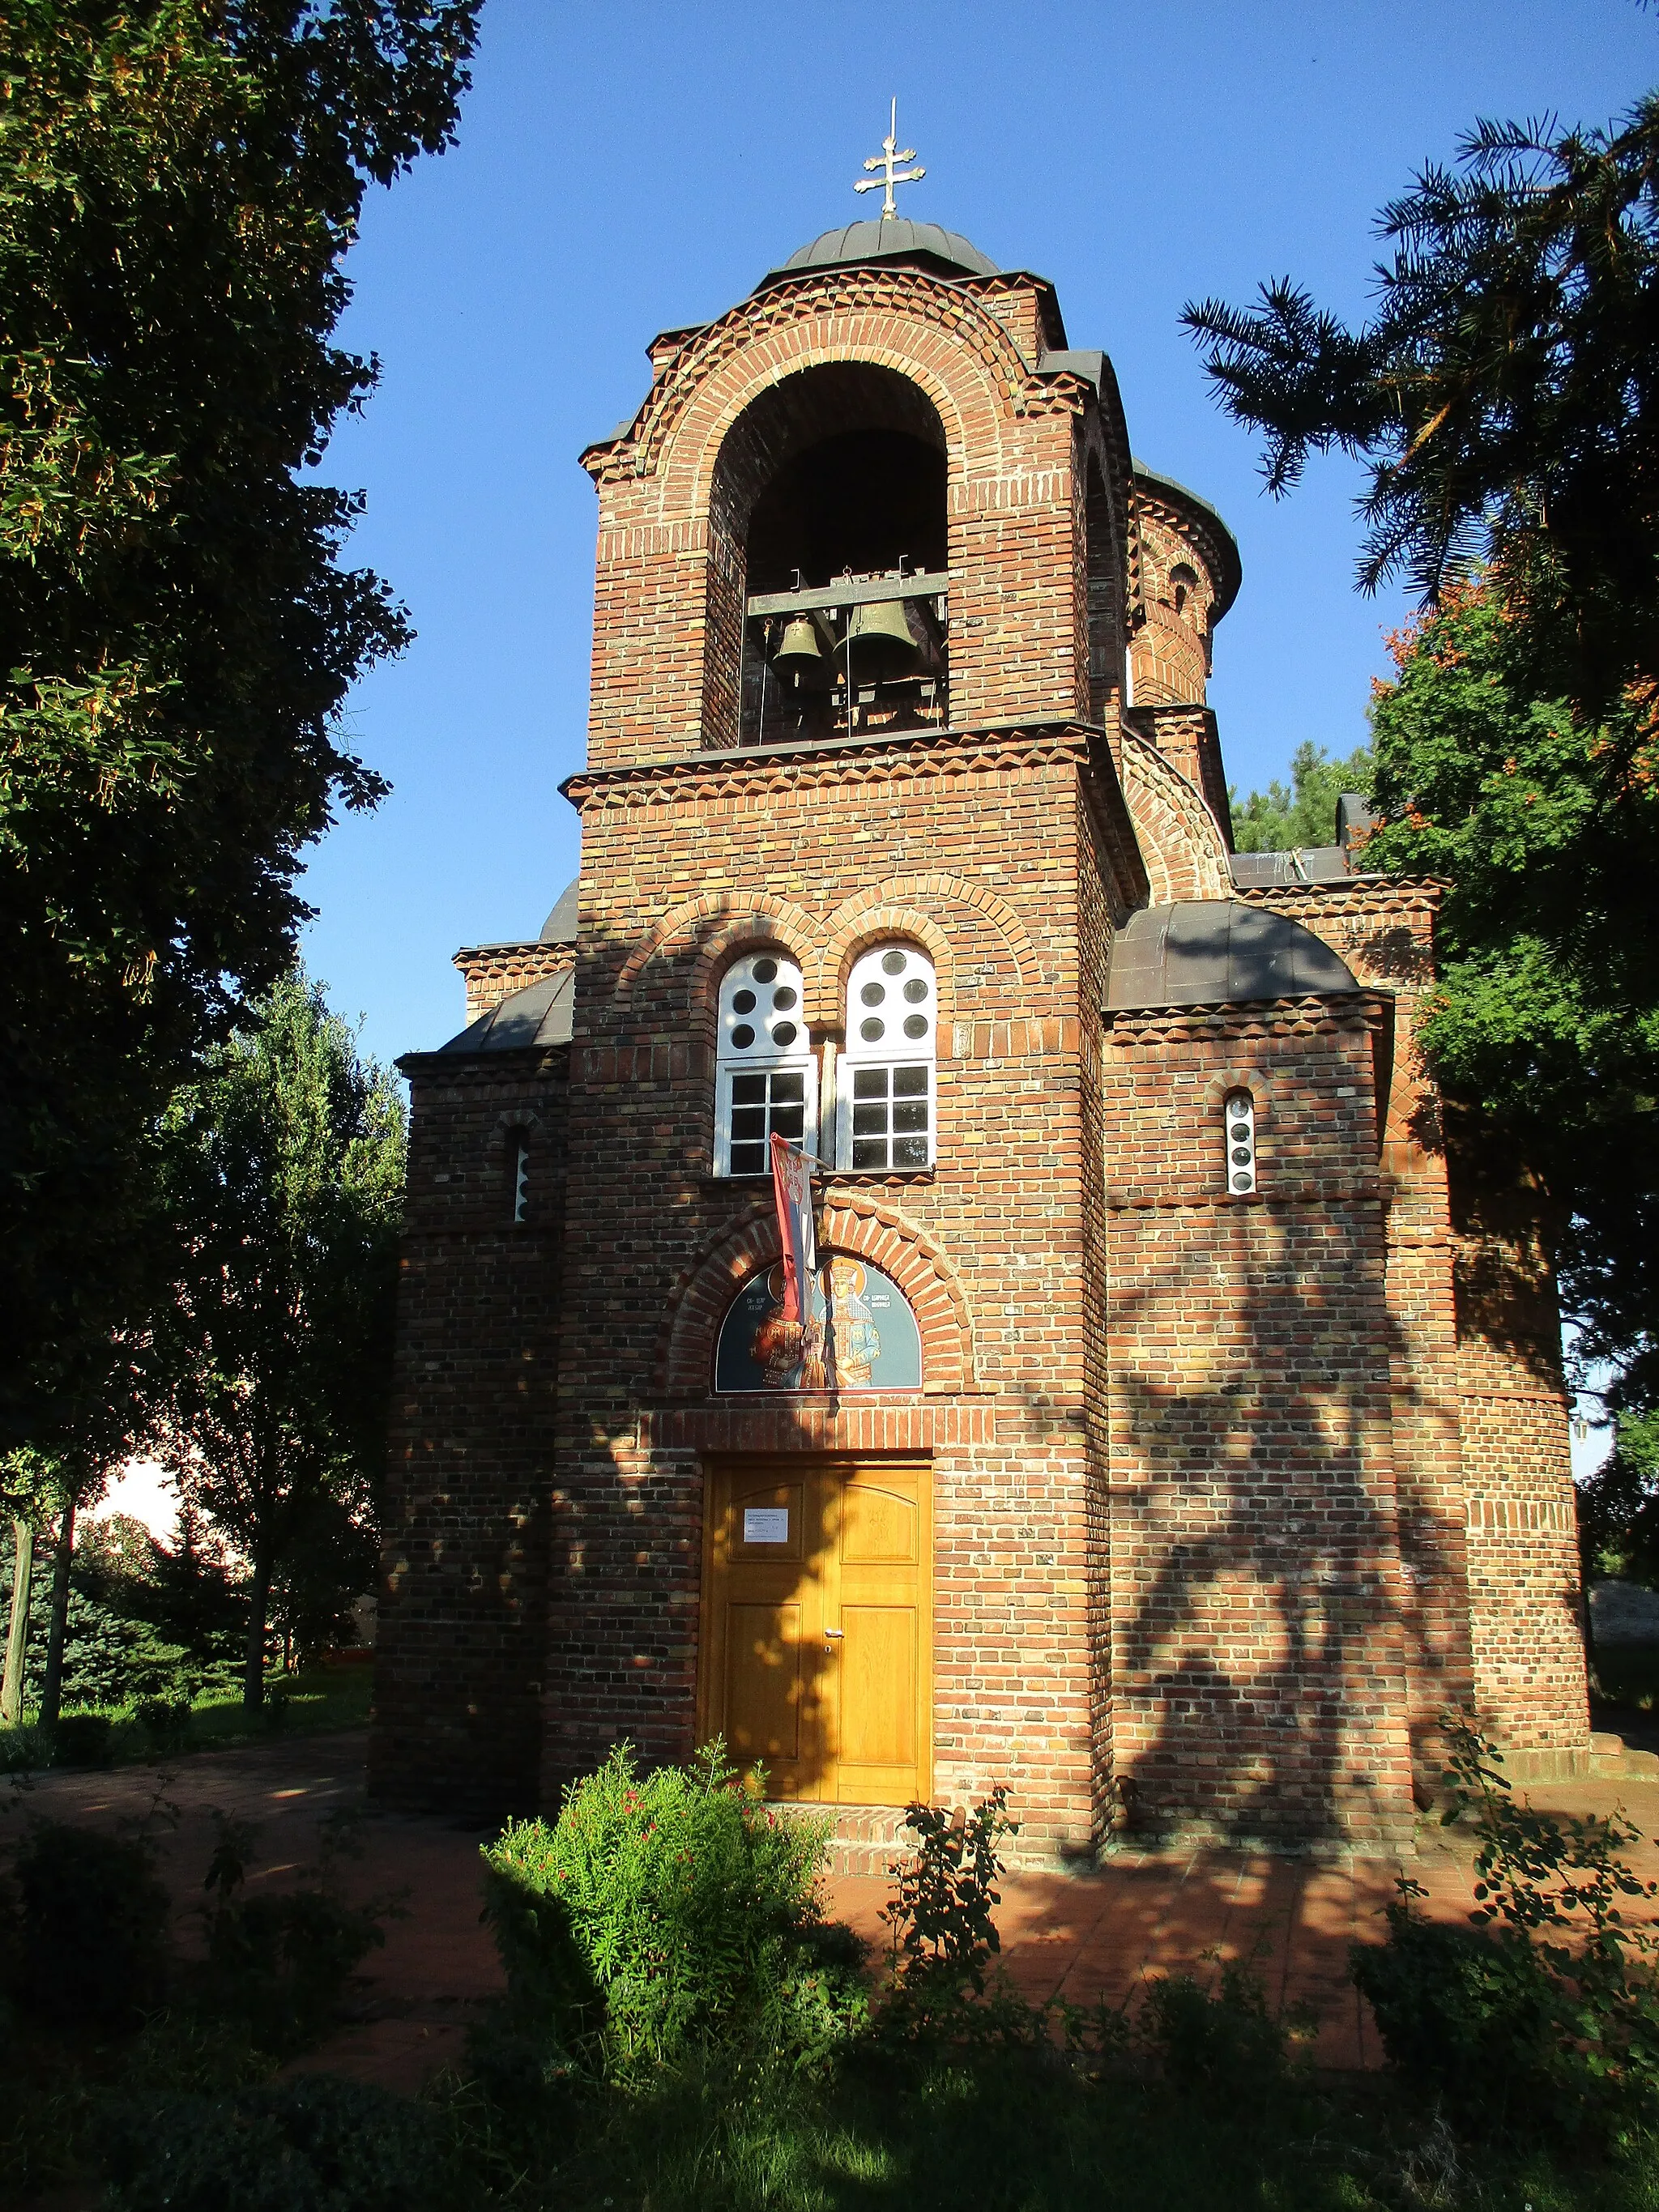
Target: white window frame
(1238,1112)
(760,975)
(861,1053)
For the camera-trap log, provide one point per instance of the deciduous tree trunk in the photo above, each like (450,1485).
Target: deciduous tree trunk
(52,1686)
(18,1637)
(253,1674)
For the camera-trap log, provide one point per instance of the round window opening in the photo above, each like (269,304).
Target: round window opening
(743,1036)
(892,963)
(872,1032)
(743,1003)
(766,971)
(783,999)
(784,1034)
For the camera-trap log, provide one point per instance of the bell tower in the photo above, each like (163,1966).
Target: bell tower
(864,589)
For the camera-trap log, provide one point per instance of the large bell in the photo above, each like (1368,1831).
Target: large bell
(879,643)
(801,652)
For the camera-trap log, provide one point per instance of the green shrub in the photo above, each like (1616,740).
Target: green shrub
(92,1925)
(1549,2020)
(81,1739)
(665,1915)
(1229,2041)
(278,1964)
(166,1723)
(941,1931)
(315,2144)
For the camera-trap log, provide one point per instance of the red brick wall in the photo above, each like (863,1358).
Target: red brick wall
(460,1643)
(1258,1681)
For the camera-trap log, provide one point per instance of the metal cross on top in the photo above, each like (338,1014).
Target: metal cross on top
(885,161)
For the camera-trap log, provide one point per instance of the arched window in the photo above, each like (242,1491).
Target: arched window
(518,1176)
(885,1104)
(765,1077)
(1238,1128)
(1183,582)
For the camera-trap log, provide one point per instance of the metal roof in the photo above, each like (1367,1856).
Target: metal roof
(1219,952)
(560,927)
(889,239)
(1307,864)
(539,1014)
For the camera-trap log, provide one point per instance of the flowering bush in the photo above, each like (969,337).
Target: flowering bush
(664,1914)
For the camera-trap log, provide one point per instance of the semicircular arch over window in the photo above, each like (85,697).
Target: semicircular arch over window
(859,1334)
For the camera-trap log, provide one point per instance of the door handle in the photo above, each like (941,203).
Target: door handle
(838,1635)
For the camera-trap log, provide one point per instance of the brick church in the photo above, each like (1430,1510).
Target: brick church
(1172,1427)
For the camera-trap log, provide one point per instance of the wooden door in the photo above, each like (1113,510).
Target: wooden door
(817,1652)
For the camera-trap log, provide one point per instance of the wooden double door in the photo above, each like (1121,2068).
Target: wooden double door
(817,1651)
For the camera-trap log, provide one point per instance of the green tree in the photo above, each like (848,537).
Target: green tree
(1547,1013)
(1283,820)
(284,1170)
(1499,394)
(179,182)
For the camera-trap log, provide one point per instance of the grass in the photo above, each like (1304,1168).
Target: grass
(1017,2131)
(304,1703)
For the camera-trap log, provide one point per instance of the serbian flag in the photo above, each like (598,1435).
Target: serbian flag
(792,1186)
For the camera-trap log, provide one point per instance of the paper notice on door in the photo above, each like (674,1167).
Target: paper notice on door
(766,1524)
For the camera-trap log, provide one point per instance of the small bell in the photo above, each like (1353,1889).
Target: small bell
(801,652)
(879,644)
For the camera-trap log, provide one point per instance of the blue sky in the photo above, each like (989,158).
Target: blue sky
(628,168)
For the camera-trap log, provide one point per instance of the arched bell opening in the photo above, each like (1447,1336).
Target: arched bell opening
(831,492)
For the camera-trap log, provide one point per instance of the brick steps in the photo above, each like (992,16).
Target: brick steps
(1612,1760)
(866,1839)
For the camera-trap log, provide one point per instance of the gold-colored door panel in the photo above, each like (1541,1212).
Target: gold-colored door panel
(817,1627)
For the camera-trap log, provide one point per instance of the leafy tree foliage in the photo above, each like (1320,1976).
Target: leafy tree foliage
(1547,1012)
(1502,392)
(179,181)
(1283,820)
(285,1171)
(1619,1506)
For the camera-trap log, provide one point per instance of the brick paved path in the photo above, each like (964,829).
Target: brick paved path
(1084,1937)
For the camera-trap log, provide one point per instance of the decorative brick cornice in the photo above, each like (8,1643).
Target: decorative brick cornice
(1026,745)
(1347,894)
(1308,1016)
(514,1065)
(734,772)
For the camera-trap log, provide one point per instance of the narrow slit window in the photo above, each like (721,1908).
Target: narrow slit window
(1239,1129)
(765,1078)
(885,1103)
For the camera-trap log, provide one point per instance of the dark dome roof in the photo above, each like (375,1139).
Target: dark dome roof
(889,239)
(560,927)
(539,1014)
(1206,952)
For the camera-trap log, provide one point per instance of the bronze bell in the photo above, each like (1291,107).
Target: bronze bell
(879,643)
(801,652)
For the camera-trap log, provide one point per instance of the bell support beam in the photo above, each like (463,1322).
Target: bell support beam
(867,591)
